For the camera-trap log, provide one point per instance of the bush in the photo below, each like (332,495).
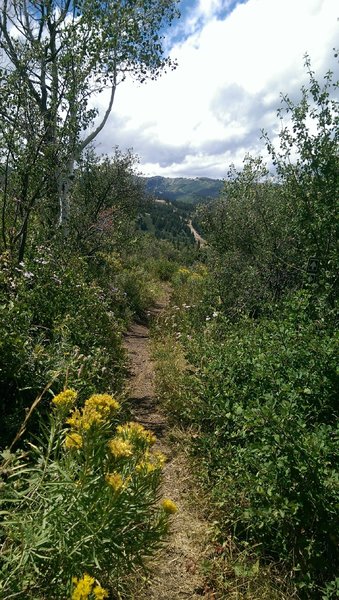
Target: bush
(138,289)
(55,323)
(80,503)
(263,396)
(267,415)
(163,268)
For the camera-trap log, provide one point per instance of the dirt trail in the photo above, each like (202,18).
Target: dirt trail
(200,240)
(175,572)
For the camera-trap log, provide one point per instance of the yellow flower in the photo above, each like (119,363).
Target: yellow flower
(100,593)
(98,409)
(184,271)
(115,481)
(151,462)
(136,431)
(146,466)
(75,419)
(65,399)
(83,587)
(90,416)
(73,440)
(104,403)
(120,448)
(169,506)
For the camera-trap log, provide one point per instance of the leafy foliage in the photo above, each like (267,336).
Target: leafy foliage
(108,195)
(55,323)
(84,498)
(307,164)
(267,414)
(249,230)
(264,230)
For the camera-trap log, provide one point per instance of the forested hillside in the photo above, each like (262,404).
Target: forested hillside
(246,351)
(168,222)
(183,189)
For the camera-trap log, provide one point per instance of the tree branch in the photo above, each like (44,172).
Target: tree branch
(101,125)
(12,54)
(63,13)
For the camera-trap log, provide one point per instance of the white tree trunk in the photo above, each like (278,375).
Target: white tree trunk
(64,186)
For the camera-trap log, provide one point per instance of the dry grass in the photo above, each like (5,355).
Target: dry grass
(175,573)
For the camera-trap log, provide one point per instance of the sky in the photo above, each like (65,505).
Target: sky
(235,58)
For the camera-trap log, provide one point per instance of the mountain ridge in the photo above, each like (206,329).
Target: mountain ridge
(183,189)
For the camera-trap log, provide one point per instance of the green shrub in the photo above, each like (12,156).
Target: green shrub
(54,323)
(163,268)
(138,287)
(82,500)
(266,409)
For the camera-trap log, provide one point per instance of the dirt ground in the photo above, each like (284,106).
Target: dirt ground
(175,573)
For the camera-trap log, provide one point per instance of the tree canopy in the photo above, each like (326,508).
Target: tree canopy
(57,56)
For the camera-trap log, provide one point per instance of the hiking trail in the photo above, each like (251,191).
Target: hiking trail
(175,569)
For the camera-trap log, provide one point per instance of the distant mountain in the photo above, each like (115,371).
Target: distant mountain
(183,189)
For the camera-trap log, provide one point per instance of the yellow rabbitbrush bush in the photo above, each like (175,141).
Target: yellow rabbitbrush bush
(65,399)
(86,588)
(169,506)
(98,409)
(137,432)
(92,508)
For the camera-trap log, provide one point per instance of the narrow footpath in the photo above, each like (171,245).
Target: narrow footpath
(175,572)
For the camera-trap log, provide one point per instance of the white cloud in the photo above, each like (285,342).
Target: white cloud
(232,68)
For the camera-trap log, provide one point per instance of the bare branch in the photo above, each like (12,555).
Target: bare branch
(101,125)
